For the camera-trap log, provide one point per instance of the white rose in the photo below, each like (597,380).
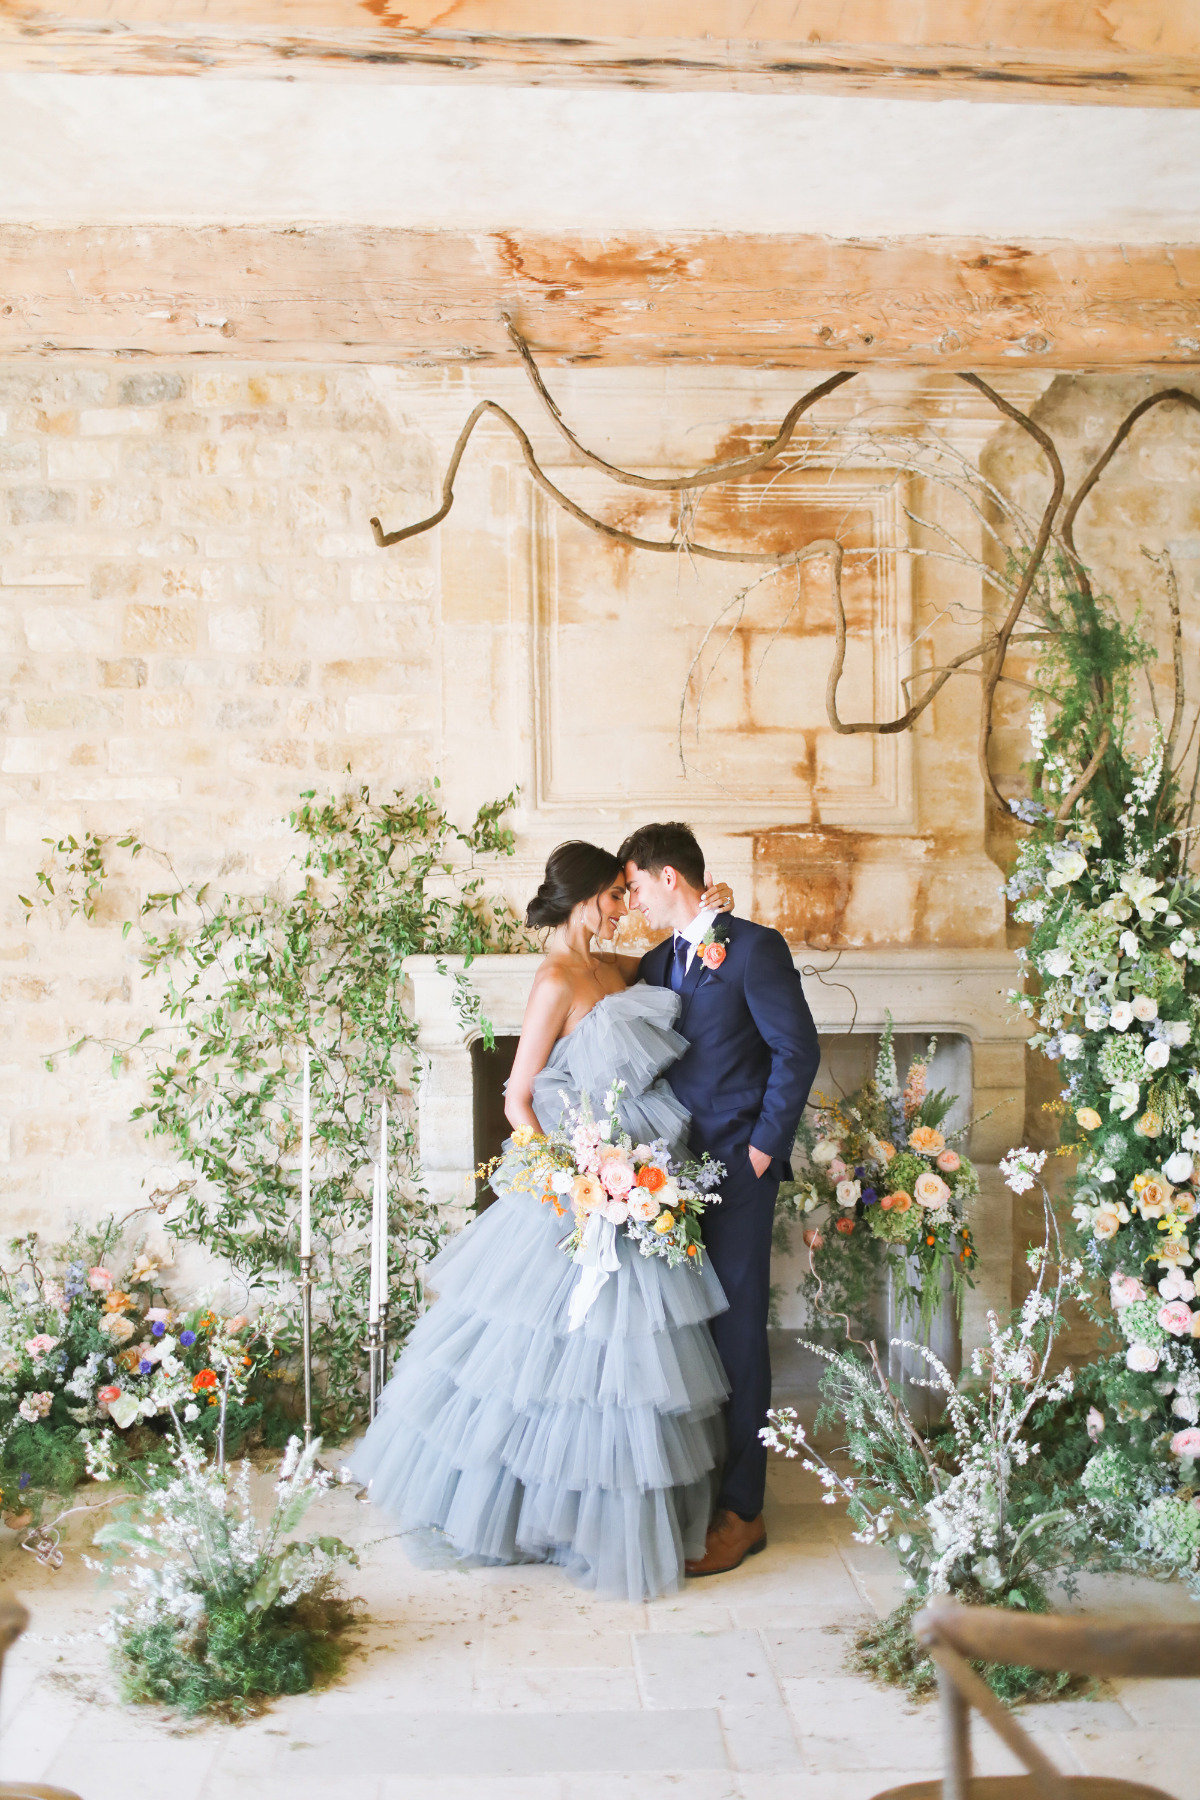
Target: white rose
(825,1149)
(1178,1168)
(1141,1359)
(1121,1016)
(848,1192)
(1144,1008)
(1056,963)
(191,1413)
(562,1181)
(1129,944)
(124,1410)
(1070,1045)
(1178,1032)
(1157,1055)
(1095,1021)
(667,1196)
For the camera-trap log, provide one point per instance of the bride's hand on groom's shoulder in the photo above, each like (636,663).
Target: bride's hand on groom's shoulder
(718,895)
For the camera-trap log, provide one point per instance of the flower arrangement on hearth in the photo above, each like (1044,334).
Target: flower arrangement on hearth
(594,1170)
(882,1184)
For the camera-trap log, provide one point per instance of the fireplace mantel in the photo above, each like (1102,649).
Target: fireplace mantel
(924,990)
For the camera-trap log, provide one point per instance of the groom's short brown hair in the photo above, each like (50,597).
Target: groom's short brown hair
(658,847)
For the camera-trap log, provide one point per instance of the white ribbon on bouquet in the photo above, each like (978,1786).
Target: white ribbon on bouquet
(597,1259)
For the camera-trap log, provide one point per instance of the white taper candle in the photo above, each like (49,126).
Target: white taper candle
(376,1205)
(383,1206)
(306,1161)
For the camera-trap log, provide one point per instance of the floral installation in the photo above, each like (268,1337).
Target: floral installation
(971,1506)
(93,1358)
(590,1167)
(218,1611)
(882,1186)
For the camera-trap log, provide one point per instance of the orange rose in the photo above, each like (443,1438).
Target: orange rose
(845,1226)
(897,1202)
(117,1301)
(207,1378)
(651,1177)
(713,955)
(886,1150)
(925,1140)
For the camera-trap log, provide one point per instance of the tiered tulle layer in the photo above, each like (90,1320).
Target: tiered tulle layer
(596,1449)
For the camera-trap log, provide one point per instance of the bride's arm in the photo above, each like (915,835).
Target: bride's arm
(541,1028)
(718,895)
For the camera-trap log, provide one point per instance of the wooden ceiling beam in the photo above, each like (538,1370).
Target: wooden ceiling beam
(1123,52)
(357,294)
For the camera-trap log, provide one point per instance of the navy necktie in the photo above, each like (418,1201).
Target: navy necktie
(679,965)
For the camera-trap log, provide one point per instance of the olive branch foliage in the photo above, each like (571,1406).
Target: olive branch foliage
(247,982)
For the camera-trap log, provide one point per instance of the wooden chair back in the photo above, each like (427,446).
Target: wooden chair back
(955,1636)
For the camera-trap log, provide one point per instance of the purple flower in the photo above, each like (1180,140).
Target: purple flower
(187,1339)
(145,1366)
(157,1329)
(869,1196)
(25,1480)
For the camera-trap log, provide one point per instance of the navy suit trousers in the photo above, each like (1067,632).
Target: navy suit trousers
(737,1237)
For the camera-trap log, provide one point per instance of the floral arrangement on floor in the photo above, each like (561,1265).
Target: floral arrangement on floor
(596,1171)
(220,1612)
(94,1357)
(1112,987)
(970,1508)
(881,1187)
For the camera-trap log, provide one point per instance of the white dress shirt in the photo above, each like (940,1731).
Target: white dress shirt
(691,934)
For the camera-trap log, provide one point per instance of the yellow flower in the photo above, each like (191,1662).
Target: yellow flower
(1089,1118)
(524,1134)
(665,1222)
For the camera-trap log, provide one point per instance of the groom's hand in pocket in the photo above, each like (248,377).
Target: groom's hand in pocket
(760,1162)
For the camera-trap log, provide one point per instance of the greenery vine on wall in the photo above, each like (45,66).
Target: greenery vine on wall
(248,981)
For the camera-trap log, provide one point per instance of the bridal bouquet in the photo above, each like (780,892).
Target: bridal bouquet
(595,1171)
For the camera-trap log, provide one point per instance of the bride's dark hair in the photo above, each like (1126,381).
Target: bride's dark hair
(574,872)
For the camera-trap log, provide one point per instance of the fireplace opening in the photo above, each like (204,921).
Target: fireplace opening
(490,1069)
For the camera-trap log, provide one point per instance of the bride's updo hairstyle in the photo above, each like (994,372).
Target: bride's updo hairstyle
(574,872)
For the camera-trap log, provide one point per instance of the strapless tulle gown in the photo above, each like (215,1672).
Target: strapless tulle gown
(519,1439)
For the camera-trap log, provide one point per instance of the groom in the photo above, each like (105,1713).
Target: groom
(744,1078)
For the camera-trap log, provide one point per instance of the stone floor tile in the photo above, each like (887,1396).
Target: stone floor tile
(516,1647)
(694,1784)
(559,1690)
(1160,1758)
(236,1786)
(912,1744)
(112,1768)
(760,1736)
(709,1668)
(474,1787)
(827,1784)
(835,1617)
(829,1704)
(513,1743)
(803,1652)
(1166,1704)
(696,1609)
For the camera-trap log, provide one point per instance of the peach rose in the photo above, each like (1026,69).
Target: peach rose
(897,1202)
(1153,1196)
(713,955)
(1106,1224)
(930,1190)
(99,1280)
(1088,1118)
(642,1206)
(616,1211)
(118,1327)
(949,1161)
(813,1238)
(886,1150)
(1149,1125)
(925,1140)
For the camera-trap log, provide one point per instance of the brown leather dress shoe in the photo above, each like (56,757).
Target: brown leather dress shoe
(730,1541)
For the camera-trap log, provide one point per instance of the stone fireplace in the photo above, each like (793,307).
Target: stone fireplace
(956,994)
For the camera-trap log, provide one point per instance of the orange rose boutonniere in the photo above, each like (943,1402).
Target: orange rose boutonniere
(711,948)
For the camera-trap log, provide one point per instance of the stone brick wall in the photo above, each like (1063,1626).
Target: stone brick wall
(195,626)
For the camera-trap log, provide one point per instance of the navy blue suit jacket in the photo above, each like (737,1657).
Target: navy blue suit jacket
(752,1046)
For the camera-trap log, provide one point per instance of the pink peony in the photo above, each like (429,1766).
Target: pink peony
(617,1211)
(99,1280)
(617,1176)
(41,1345)
(1176,1317)
(837,1169)
(1187,1443)
(642,1206)
(1125,1289)
(949,1161)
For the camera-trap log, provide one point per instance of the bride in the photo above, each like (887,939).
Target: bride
(520,1438)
